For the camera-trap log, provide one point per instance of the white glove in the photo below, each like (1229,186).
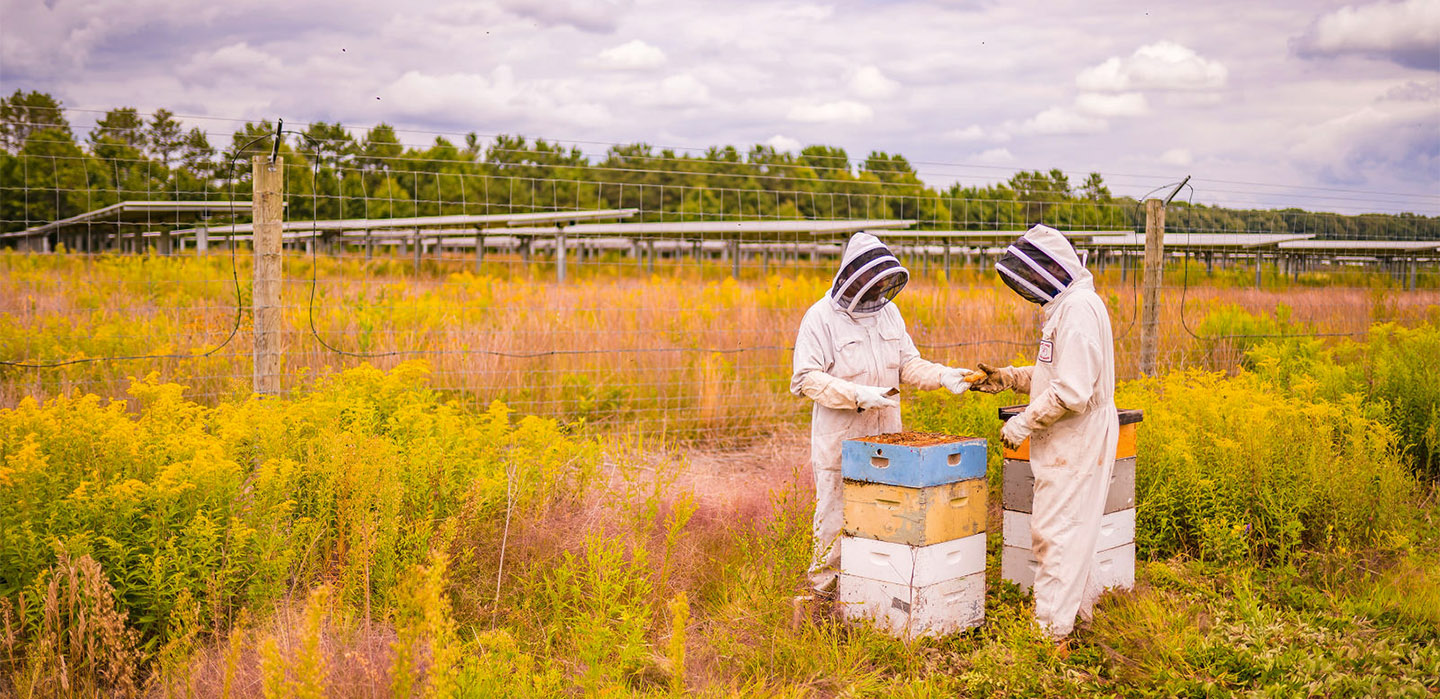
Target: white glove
(873,397)
(1014,432)
(954,379)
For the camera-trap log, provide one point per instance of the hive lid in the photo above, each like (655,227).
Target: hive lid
(913,439)
(1127,415)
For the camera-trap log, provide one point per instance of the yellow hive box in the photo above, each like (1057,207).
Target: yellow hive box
(915,516)
(1129,421)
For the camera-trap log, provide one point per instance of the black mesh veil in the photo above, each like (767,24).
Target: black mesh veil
(868,282)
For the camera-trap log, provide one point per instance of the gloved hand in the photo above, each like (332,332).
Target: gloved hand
(954,379)
(873,397)
(995,380)
(1014,432)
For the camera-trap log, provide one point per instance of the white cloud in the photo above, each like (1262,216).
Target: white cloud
(970,133)
(682,90)
(840,112)
(1177,156)
(600,16)
(805,12)
(1059,121)
(870,83)
(995,156)
(229,63)
(784,144)
(1124,104)
(1407,33)
(1413,91)
(631,55)
(1383,139)
(469,98)
(1163,65)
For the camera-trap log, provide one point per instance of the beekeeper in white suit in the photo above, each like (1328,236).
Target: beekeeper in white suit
(1071,420)
(851,355)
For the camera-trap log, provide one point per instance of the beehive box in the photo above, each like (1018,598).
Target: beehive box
(1124,449)
(912,565)
(912,459)
(913,591)
(1114,567)
(1116,529)
(911,612)
(1115,556)
(1017,489)
(916,516)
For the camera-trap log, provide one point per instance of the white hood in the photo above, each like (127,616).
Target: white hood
(869,276)
(1041,265)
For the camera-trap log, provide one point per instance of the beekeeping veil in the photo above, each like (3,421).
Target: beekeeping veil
(869,276)
(1040,265)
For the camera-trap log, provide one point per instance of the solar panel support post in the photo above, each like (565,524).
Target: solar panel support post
(479,250)
(560,254)
(734,247)
(267,202)
(649,255)
(1154,266)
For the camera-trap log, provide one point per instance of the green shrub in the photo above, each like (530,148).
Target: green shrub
(212,509)
(1232,469)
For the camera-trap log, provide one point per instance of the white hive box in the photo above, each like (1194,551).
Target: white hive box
(910,612)
(1116,529)
(1114,568)
(904,564)
(914,591)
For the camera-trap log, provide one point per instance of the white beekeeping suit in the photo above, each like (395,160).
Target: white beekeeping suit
(852,349)
(1071,420)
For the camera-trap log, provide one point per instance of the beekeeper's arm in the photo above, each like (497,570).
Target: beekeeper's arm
(1079,360)
(812,379)
(927,375)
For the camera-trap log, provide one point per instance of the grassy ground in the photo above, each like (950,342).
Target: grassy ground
(367,537)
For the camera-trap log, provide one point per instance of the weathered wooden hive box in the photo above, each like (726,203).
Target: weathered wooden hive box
(1115,549)
(912,559)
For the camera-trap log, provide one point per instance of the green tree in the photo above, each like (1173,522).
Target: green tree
(165,136)
(24,113)
(1094,188)
(119,126)
(380,147)
(827,162)
(332,143)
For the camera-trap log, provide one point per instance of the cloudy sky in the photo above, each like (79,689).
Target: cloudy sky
(1310,103)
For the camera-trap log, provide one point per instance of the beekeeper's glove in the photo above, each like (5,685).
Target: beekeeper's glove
(873,397)
(995,380)
(954,379)
(1014,432)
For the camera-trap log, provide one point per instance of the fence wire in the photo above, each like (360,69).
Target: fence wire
(674,332)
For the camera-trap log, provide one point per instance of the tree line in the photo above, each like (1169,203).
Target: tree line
(47,173)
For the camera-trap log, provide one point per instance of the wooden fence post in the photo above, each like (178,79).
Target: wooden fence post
(268,204)
(1154,267)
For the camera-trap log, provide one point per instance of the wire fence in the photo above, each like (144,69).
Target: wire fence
(642,290)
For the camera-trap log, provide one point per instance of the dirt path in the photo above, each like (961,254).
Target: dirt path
(754,471)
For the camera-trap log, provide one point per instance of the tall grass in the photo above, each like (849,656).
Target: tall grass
(685,352)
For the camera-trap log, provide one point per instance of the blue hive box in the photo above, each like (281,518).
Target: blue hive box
(920,461)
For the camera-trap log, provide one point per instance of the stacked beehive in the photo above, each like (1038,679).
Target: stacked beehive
(1115,549)
(913,555)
